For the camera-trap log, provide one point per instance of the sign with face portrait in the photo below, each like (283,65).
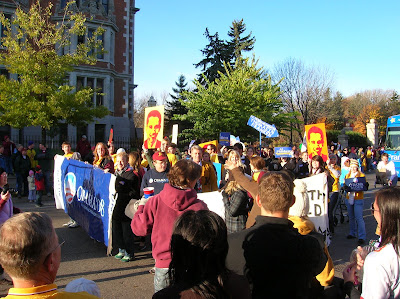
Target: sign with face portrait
(153,127)
(316,141)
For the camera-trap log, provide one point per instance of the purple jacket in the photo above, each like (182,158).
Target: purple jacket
(6,211)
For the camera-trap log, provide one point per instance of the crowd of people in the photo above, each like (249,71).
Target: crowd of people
(266,246)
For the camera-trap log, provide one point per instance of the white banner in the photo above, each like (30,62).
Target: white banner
(317,188)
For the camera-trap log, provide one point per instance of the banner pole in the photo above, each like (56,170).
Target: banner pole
(260,144)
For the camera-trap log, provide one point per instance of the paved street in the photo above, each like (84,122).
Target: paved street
(84,257)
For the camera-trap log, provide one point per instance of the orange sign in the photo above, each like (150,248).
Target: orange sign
(316,141)
(153,126)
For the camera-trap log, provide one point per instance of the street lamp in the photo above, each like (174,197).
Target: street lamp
(151,102)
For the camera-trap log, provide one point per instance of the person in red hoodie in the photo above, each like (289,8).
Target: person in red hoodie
(40,187)
(157,214)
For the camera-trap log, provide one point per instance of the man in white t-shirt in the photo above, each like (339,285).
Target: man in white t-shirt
(385,166)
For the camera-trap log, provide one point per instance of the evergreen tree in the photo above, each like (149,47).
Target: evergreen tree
(216,53)
(237,43)
(174,108)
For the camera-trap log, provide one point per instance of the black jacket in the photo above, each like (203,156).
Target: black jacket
(127,188)
(275,258)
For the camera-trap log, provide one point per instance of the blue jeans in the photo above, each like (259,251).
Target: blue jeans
(8,164)
(356,219)
(161,280)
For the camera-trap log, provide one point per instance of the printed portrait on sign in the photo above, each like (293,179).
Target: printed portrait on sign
(153,127)
(316,141)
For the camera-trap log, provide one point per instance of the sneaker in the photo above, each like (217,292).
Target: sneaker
(361,242)
(73,224)
(68,223)
(120,255)
(152,271)
(127,258)
(38,205)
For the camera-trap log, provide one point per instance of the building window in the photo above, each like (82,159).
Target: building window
(97,84)
(5,73)
(3,29)
(105,5)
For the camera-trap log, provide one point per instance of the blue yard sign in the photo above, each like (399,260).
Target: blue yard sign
(268,130)
(224,138)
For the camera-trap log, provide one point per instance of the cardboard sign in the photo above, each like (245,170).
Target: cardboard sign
(224,138)
(316,141)
(153,127)
(283,152)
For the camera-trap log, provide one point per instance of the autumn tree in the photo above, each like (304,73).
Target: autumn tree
(228,102)
(39,93)
(303,89)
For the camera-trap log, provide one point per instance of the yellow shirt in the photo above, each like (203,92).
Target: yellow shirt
(172,159)
(256,175)
(69,155)
(335,185)
(45,291)
(144,163)
(31,153)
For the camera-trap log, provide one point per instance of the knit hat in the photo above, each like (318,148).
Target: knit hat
(302,204)
(30,143)
(121,150)
(354,162)
(159,156)
(31,172)
(83,285)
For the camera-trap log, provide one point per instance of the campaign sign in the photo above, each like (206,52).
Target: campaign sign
(86,194)
(317,191)
(356,184)
(261,126)
(283,152)
(224,138)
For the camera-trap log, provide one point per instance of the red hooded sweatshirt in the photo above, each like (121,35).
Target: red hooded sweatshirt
(158,217)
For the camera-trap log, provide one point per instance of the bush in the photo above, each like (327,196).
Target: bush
(355,139)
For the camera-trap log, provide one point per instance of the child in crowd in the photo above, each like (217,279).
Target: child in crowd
(31,186)
(257,164)
(40,187)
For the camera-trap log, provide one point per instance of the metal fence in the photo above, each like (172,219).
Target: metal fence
(55,143)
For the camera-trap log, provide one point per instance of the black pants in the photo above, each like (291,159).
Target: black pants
(122,236)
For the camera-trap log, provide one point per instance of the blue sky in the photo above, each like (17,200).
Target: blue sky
(358,41)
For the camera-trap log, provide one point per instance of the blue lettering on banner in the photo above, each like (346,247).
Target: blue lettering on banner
(263,127)
(87,194)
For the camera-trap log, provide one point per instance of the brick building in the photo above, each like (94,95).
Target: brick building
(113,73)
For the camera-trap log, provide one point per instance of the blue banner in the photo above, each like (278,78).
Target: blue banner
(283,152)
(263,127)
(224,138)
(86,194)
